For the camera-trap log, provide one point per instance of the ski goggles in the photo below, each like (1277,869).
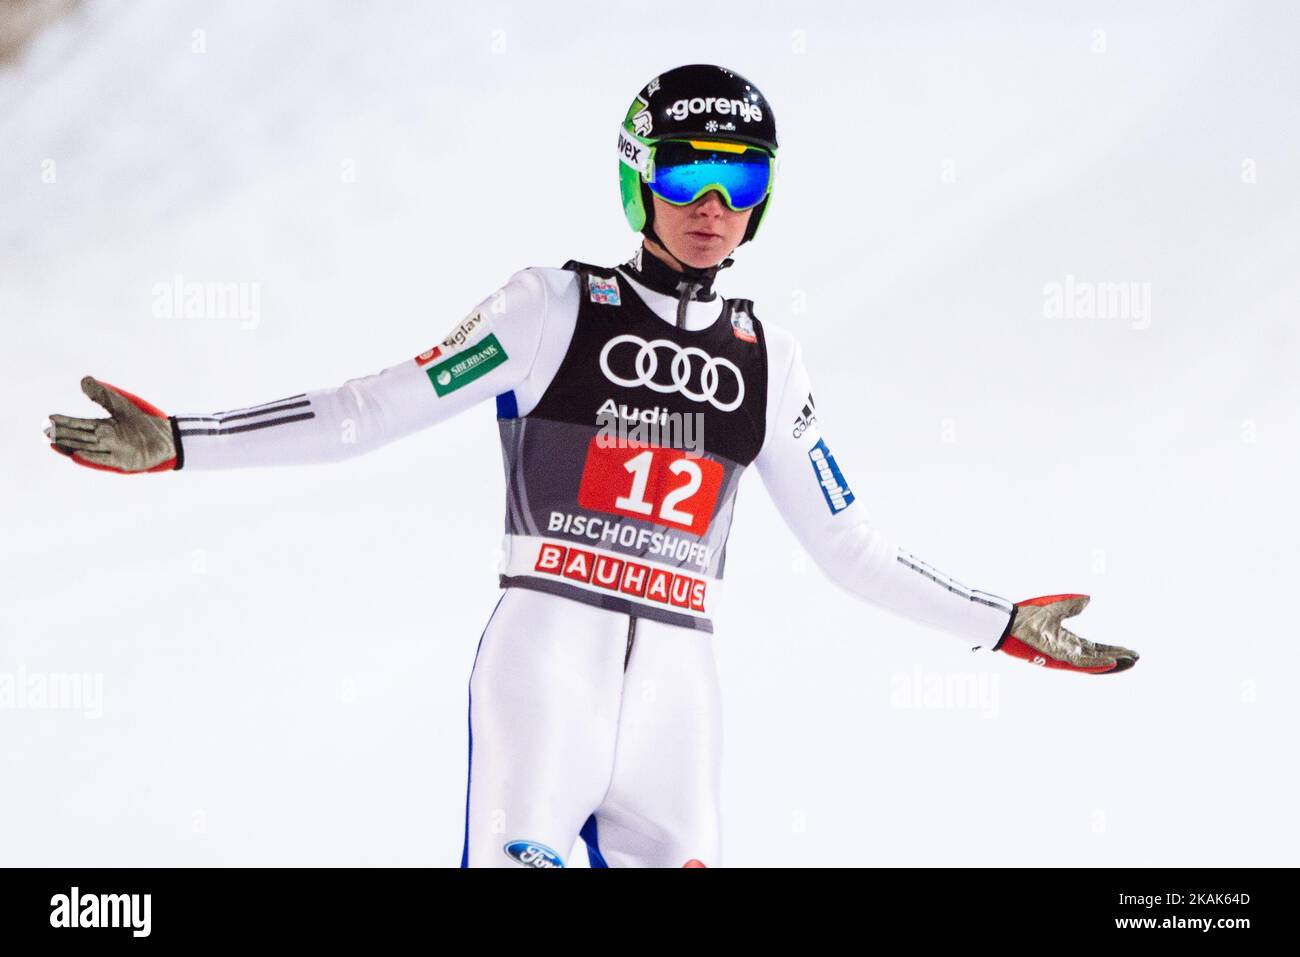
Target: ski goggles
(681,171)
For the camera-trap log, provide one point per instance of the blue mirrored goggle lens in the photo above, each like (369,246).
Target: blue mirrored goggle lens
(681,171)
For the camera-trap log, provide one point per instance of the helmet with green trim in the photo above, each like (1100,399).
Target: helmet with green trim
(705,111)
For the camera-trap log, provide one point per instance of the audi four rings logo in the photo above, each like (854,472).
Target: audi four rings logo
(647,364)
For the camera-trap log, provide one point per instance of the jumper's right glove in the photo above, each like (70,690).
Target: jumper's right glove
(1035,633)
(137,436)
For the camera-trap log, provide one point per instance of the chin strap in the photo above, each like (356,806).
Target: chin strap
(686,282)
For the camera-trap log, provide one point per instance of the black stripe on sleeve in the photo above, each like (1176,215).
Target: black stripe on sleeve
(252,426)
(232,416)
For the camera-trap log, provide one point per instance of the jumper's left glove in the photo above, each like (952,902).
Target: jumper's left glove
(137,436)
(1036,634)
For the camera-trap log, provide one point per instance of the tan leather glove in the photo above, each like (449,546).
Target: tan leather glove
(136,437)
(1035,633)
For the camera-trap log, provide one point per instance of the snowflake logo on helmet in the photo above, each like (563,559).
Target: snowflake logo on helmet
(711,126)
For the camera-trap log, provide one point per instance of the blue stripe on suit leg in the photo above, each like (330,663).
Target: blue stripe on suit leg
(589,836)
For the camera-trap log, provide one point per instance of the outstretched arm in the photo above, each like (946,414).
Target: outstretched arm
(818,503)
(490,352)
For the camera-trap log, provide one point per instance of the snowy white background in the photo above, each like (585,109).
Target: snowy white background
(284,654)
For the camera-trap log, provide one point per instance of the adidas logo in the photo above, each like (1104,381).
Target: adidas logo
(806,418)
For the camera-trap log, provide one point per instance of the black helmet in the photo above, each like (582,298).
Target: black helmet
(696,101)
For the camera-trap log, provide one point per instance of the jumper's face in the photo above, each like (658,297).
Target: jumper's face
(703,233)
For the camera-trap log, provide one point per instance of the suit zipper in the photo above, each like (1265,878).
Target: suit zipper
(631,636)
